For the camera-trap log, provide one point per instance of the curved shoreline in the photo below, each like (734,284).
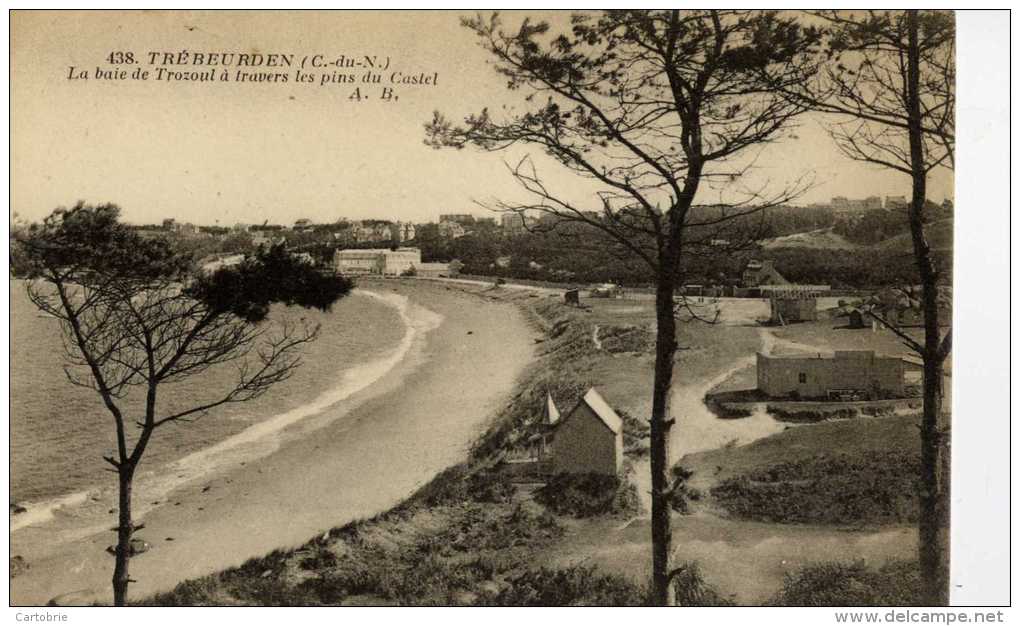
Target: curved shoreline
(263,434)
(390,444)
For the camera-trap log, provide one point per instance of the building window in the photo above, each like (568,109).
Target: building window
(802,378)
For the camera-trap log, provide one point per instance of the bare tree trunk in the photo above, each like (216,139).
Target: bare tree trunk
(933,523)
(665,350)
(125,529)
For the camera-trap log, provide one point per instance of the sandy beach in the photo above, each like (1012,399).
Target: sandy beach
(393,437)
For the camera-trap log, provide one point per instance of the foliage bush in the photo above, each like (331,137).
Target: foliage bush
(589,495)
(682,495)
(811,415)
(852,584)
(460,483)
(690,588)
(635,434)
(575,586)
(828,489)
(617,339)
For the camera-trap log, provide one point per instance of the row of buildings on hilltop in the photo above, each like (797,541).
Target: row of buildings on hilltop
(353,232)
(843,206)
(871,203)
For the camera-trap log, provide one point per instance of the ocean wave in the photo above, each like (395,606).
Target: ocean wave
(41,512)
(258,440)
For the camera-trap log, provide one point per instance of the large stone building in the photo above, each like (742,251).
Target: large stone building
(382,262)
(589,439)
(848,373)
(517,223)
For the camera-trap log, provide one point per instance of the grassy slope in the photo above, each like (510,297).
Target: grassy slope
(940,237)
(821,239)
(851,472)
(939,234)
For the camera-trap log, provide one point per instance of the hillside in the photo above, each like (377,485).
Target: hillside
(820,239)
(940,236)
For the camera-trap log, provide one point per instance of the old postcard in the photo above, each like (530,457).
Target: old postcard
(480,308)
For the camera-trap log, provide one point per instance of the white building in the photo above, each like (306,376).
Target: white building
(379,261)
(451,230)
(402,231)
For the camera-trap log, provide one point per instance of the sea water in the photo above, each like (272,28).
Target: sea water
(59,432)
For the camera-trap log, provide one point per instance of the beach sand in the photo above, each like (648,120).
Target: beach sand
(399,432)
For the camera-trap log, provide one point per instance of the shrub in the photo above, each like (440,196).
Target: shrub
(460,483)
(486,486)
(691,589)
(575,586)
(828,489)
(851,584)
(588,495)
(679,500)
(479,528)
(197,592)
(617,339)
(321,558)
(635,434)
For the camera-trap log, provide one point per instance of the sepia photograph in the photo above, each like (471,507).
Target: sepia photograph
(505,308)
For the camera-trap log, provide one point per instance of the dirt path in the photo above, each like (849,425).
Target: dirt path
(742,559)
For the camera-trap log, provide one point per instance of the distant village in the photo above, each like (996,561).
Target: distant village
(403,248)
(360,247)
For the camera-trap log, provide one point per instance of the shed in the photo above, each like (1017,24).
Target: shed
(785,310)
(589,439)
(856,319)
(572,297)
(862,372)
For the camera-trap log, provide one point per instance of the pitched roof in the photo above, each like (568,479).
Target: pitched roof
(601,408)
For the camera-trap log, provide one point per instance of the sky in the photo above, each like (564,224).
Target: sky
(226,153)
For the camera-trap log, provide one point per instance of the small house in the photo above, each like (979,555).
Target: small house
(589,439)
(757,273)
(785,310)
